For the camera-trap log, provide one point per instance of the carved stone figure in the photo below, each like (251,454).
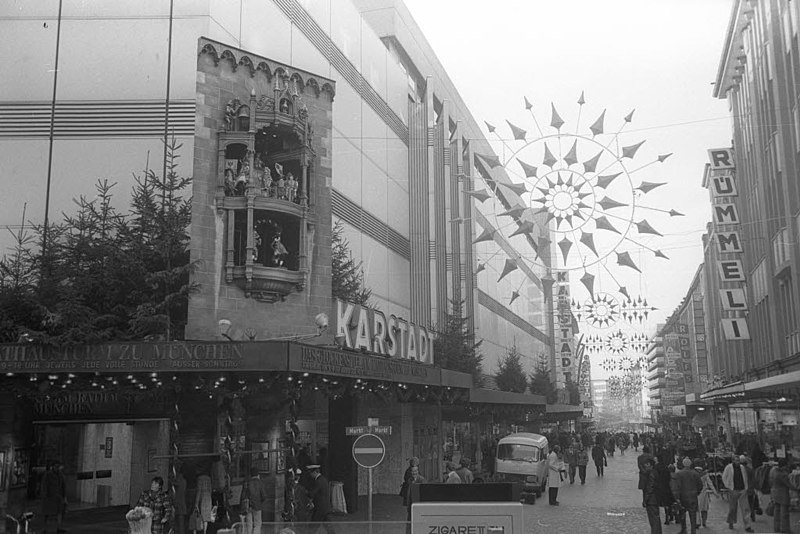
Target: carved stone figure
(279,251)
(230,182)
(243,179)
(266,181)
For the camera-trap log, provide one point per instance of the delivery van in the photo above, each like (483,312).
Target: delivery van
(522,458)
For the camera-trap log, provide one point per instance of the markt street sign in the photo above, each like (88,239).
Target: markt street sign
(359,430)
(368,450)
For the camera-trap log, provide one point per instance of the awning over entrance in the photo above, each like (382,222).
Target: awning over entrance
(786,381)
(731,391)
(204,356)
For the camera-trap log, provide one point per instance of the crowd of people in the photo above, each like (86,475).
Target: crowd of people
(683,481)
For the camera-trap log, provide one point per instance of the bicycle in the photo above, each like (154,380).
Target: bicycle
(19,525)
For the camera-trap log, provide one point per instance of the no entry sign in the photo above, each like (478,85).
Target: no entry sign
(368,450)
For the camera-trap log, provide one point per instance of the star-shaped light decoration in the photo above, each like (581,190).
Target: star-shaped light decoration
(581,184)
(617,343)
(639,342)
(636,309)
(609,364)
(601,311)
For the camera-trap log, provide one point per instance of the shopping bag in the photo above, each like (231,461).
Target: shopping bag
(770,511)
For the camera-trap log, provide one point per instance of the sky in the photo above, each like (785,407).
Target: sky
(657,57)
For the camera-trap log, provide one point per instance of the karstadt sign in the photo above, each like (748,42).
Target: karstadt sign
(360,327)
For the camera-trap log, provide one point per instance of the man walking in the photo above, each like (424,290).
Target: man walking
(735,478)
(571,459)
(649,496)
(687,486)
(781,484)
(583,460)
(321,497)
(256,498)
(599,458)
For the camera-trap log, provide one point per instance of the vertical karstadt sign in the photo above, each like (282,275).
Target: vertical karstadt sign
(726,223)
(565,334)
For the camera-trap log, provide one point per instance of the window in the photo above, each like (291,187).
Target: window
(781,247)
(522,453)
(759,281)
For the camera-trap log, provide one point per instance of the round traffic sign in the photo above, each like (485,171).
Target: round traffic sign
(368,450)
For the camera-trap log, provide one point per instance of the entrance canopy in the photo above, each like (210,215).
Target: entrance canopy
(204,356)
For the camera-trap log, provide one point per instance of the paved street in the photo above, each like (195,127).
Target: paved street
(612,504)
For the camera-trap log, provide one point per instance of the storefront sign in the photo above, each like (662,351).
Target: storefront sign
(565,335)
(364,328)
(722,183)
(143,357)
(95,403)
(322,360)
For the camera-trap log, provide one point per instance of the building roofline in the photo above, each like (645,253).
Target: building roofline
(724,61)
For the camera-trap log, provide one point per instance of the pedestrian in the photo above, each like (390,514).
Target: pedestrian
(752,496)
(636,442)
(555,474)
(734,477)
(451,477)
(463,471)
(412,463)
(641,460)
(686,488)
(650,495)
(704,499)
(160,503)
(257,499)
(583,461)
(408,499)
(664,490)
(571,459)
(781,484)
(611,445)
(54,495)
(321,497)
(599,458)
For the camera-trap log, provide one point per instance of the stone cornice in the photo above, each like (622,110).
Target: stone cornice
(254,63)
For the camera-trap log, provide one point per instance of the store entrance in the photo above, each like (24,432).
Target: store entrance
(106,463)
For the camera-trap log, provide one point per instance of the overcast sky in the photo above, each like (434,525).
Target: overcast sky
(657,57)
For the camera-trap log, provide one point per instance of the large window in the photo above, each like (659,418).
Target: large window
(518,452)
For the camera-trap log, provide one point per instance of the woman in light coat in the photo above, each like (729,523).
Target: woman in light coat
(704,499)
(555,473)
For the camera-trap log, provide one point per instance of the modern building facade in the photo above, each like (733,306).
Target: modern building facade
(293,117)
(751,252)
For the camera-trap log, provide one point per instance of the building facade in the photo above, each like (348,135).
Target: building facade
(751,252)
(297,117)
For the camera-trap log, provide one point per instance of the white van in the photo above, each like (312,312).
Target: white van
(522,458)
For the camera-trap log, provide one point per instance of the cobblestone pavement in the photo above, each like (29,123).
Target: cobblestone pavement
(612,504)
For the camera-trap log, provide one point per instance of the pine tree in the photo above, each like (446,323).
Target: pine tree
(455,347)
(540,382)
(20,312)
(104,275)
(157,239)
(510,375)
(347,275)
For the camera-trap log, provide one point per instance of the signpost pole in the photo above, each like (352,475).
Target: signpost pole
(369,501)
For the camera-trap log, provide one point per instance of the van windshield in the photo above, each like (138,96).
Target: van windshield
(518,452)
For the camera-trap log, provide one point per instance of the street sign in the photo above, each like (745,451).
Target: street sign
(368,450)
(359,430)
